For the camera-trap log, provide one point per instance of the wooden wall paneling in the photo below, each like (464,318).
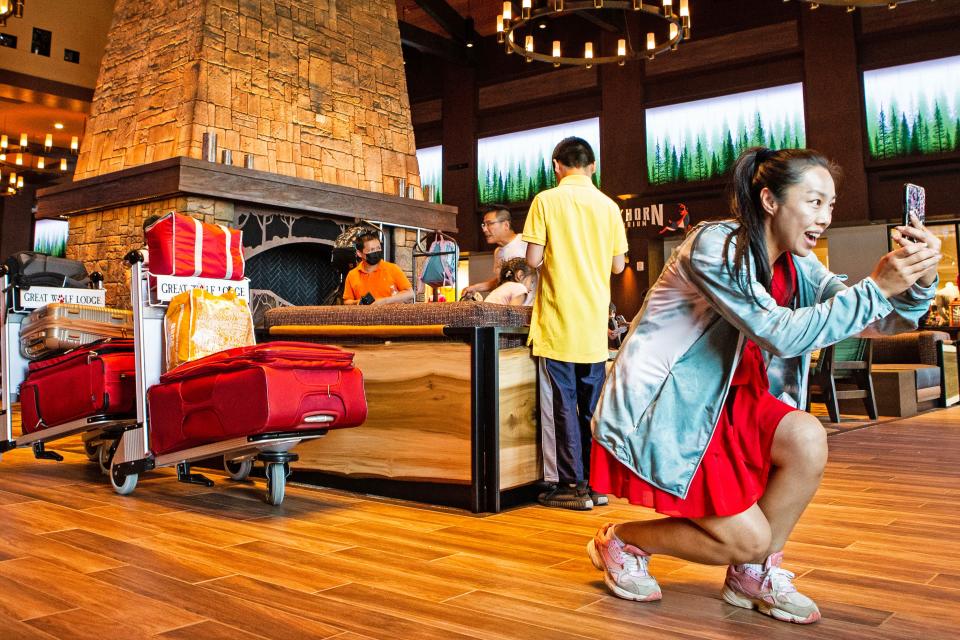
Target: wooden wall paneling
(727,49)
(833,103)
(539,114)
(623,162)
(905,45)
(459,123)
(771,71)
(538,87)
(937,175)
(426,112)
(919,14)
(520,459)
(418,424)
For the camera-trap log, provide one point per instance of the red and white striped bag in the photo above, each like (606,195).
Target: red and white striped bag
(183,246)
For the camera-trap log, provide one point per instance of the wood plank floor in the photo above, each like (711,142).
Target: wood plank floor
(878,549)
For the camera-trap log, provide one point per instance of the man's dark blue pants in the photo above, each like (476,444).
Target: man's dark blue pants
(576,389)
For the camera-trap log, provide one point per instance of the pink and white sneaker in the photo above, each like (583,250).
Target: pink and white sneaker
(624,566)
(769,591)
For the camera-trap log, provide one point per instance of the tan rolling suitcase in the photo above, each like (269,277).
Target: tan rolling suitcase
(60,327)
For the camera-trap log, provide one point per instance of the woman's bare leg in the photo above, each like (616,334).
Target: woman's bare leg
(744,537)
(798,455)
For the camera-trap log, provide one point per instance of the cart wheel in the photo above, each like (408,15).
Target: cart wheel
(124,485)
(104,458)
(92,449)
(238,469)
(276,482)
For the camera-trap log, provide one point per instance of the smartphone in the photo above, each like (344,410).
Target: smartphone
(915,202)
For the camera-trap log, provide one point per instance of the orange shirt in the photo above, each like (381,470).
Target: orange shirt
(359,282)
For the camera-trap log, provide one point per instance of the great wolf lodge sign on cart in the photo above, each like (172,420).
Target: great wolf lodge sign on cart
(169,286)
(36,297)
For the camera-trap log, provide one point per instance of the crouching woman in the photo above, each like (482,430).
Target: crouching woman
(699,418)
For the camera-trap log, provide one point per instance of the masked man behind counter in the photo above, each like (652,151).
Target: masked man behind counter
(374,280)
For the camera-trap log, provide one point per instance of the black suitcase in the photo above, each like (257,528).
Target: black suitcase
(31,269)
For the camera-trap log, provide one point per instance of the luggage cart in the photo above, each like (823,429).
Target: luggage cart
(131,455)
(96,430)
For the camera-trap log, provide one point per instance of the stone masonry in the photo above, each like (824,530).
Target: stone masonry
(310,88)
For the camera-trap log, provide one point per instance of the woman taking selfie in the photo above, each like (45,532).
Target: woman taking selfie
(699,415)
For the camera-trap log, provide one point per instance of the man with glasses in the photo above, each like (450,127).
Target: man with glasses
(497,230)
(374,280)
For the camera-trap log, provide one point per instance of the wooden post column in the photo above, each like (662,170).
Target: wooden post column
(833,99)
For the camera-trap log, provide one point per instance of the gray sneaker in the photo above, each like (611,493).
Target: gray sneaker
(567,496)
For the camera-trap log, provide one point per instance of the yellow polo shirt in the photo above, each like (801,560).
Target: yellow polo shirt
(582,231)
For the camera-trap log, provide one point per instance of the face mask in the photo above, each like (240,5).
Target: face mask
(374,257)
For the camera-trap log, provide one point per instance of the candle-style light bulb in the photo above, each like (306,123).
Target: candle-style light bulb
(74,143)
(19,160)
(588,53)
(525,8)
(63,164)
(500,28)
(41,163)
(4,142)
(19,182)
(507,11)
(622,51)
(23,140)
(48,142)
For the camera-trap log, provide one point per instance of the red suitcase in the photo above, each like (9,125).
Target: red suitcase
(181,245)
(97,379)
(266,388)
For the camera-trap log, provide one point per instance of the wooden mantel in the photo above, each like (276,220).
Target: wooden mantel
(187,176)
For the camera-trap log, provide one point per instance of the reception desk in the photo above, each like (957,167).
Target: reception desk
(451,391)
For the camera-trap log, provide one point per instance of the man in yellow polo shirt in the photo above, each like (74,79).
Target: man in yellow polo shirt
(374,280)
(574,233)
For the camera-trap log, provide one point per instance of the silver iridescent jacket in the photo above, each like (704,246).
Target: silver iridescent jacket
(664,393)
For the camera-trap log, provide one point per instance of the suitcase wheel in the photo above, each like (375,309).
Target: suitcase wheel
(238,469)
(122,484)
(276,482)
(92,449)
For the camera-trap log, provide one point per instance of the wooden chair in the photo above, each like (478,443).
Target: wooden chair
(847,362)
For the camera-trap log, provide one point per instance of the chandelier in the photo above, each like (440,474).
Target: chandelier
(853,5)
(509,28)
(10,8)
(31,159)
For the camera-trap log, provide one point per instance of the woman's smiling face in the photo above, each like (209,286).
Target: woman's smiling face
(796,222)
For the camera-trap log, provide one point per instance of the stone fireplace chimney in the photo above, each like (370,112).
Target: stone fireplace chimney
(309,88)
(312,90)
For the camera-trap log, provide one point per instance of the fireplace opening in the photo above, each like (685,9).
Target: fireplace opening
(298,274)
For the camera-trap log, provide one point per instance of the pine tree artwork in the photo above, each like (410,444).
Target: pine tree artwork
(913,109)
(430,160)
(700,140)
(50,237)
(517,166)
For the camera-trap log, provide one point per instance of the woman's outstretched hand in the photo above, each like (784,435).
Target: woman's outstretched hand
(916,232)
(915,261)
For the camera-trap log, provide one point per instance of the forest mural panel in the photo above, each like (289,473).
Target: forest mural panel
(516,166)
(50,237)
(912,109)
(430,160)
(701,140)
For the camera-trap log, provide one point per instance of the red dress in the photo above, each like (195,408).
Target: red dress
(733,473)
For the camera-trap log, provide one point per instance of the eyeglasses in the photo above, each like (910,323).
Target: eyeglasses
(485,224)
